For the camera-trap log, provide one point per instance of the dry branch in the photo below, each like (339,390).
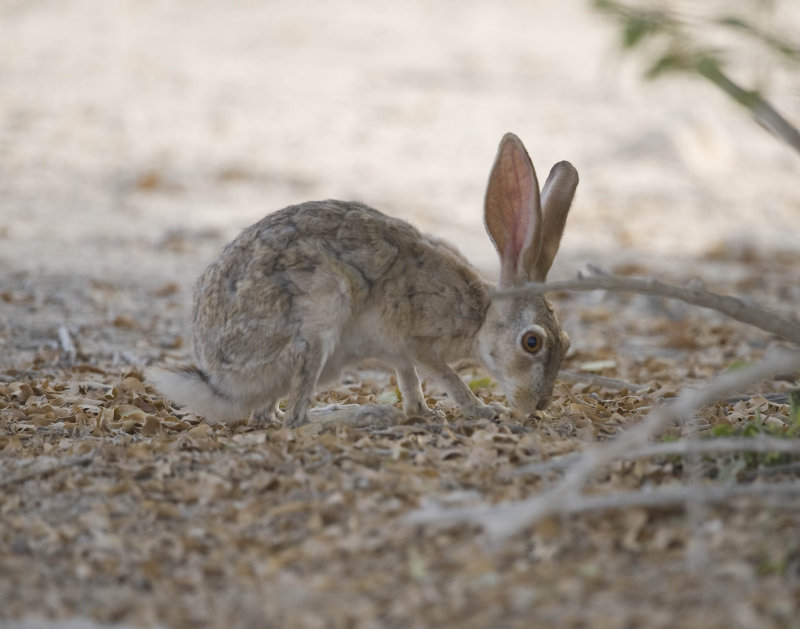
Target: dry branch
(602,382)
(504,520)
(761,109)
(762,445)
(68,349)
(694,293)
(661,497)
(676,496)
(684,447)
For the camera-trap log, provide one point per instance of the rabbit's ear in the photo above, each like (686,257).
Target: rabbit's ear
(557,195)
(512,210)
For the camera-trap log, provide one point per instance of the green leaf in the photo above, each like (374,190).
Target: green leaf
(794,408)
(737,364)
(722,430)
(752,429)
(480,383)
(636,29)
(668,62)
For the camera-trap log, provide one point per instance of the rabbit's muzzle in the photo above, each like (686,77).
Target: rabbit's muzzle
(529,401)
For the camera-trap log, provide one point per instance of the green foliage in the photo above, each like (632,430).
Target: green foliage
(673,42)
(676,40)
(737,364)
(771,41)
(758,427)
(794,407)
(480,383)
(778,559)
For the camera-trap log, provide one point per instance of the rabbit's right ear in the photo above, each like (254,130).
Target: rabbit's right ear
(557,195)
(512,210)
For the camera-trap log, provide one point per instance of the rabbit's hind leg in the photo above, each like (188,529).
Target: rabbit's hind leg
(308,358)
(269,414)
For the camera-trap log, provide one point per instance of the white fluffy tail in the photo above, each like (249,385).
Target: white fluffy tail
(189,386)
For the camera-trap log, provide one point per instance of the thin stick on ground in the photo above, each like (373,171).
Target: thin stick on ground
(676,496)
(602,382)
(504,520)
(68,349)
(759,445)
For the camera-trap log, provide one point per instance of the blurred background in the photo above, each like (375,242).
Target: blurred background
(138,136)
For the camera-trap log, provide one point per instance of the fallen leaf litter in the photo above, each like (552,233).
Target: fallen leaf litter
(121,507)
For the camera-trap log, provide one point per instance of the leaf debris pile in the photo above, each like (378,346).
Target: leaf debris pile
(119,507)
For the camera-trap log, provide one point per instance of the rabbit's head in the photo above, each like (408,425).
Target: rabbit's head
(521,341)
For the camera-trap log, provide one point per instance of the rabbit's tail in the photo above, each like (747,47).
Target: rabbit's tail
(190,386)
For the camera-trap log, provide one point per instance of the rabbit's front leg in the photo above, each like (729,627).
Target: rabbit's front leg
(470,405)
(455,386)
(414,404)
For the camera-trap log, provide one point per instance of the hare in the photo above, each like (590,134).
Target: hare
(317,286)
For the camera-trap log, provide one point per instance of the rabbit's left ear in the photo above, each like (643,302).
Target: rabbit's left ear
(557,195)
(512,211)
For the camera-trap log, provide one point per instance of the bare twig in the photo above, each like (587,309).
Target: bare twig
(761,109)
(676,496)
(353,415)
(762,445)
(771,470)
(673,496)
(680,50)
(602,382)
(695,294)
(504,520)
(68,349)
(556,464)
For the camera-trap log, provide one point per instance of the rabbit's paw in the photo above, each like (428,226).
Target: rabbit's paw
(421,410)
(267,416)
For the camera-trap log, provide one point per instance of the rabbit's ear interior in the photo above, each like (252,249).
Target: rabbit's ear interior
(512,211)
(557,195)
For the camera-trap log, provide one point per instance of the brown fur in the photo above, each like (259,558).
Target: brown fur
(316,286)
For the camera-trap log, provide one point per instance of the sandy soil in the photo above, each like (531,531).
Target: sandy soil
(136,138)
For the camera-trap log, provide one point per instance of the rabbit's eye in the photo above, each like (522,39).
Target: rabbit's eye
(531,342)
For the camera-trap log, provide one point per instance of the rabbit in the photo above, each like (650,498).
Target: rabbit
(317,286)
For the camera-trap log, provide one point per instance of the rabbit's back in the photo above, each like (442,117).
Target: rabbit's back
(319,265)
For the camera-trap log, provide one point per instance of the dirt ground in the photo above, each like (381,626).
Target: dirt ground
(137,138)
